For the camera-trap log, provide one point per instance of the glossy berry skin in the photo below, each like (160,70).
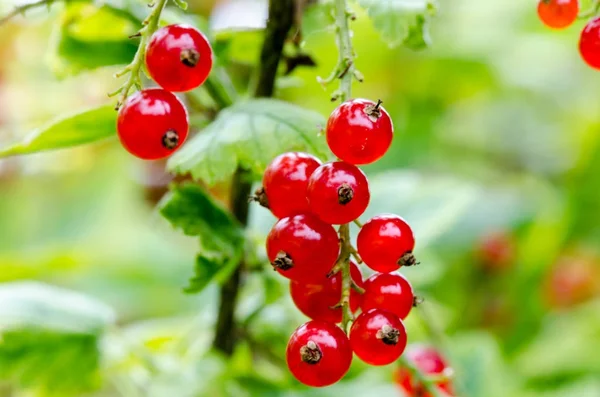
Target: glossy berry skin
(152,124)
(378,337)
(318,354)
(285,183)
(303,248)
(385,243)
(179,58)
(316,300)
(388,291)
(589,43)
(431,363)
(558,14)
(338,192)
(359,131)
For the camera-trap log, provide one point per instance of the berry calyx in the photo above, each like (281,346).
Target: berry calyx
(378,337)
(558,14)
(388,291)
(303,248)
(338,192)
(318,354)
(179,58)
(359,131)
(285,183)
(589,43)
(385,243)
(429,362)
(318,301)
(152,124)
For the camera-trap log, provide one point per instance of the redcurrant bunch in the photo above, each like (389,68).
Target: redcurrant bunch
(429,362)
(308,198)
(153,123)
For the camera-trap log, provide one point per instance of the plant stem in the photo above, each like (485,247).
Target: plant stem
(281,17)
(344,41)
(346,62)
(593,11)
(21,10)
(344,260)
(135,67)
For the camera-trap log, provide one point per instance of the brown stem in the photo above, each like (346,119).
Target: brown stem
(281,16)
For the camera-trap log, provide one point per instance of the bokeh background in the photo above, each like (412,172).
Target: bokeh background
(496,163)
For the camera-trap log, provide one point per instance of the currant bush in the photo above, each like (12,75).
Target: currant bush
(388,291)
(378,337)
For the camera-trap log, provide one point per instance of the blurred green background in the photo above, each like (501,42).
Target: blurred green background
(495,162)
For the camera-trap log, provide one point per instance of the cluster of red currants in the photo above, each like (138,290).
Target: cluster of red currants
(153,123)
(308,198)
(560,14)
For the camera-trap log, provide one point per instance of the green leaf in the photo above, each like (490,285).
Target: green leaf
(189,208)
(401,21)
(88,37)
(77,129)
(249,135)
(49,338)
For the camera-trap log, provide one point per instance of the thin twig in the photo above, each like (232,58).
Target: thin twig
(21,10)
(427,382)
(134,69)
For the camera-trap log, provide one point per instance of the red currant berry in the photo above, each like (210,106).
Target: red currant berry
(318,354)
(285,183)
(589,43)
(152,124)
(338,192)
(378,337)
(317,301)
(431,363)
(359,131)
(303,248)
(388,291)
(179,58)
(558,14)
(386,242)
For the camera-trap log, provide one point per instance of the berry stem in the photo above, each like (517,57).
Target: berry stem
(427,382)
(344,260)
(135,67)
(346,64)
(591,12)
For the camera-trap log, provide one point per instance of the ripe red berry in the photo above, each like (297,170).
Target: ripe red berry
(431,363)
(589,43)
(317,300)
(303,248)
(179,58)
(318,354)
(385,243)
(338,192)
(359,131)
(285,183)
(378,337)
(388,291)
(558,14)
(152,124)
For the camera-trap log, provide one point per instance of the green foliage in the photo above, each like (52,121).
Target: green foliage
(189,208)
(89,37)
(77,129)
(402,21)
(49,337)
(249,135)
